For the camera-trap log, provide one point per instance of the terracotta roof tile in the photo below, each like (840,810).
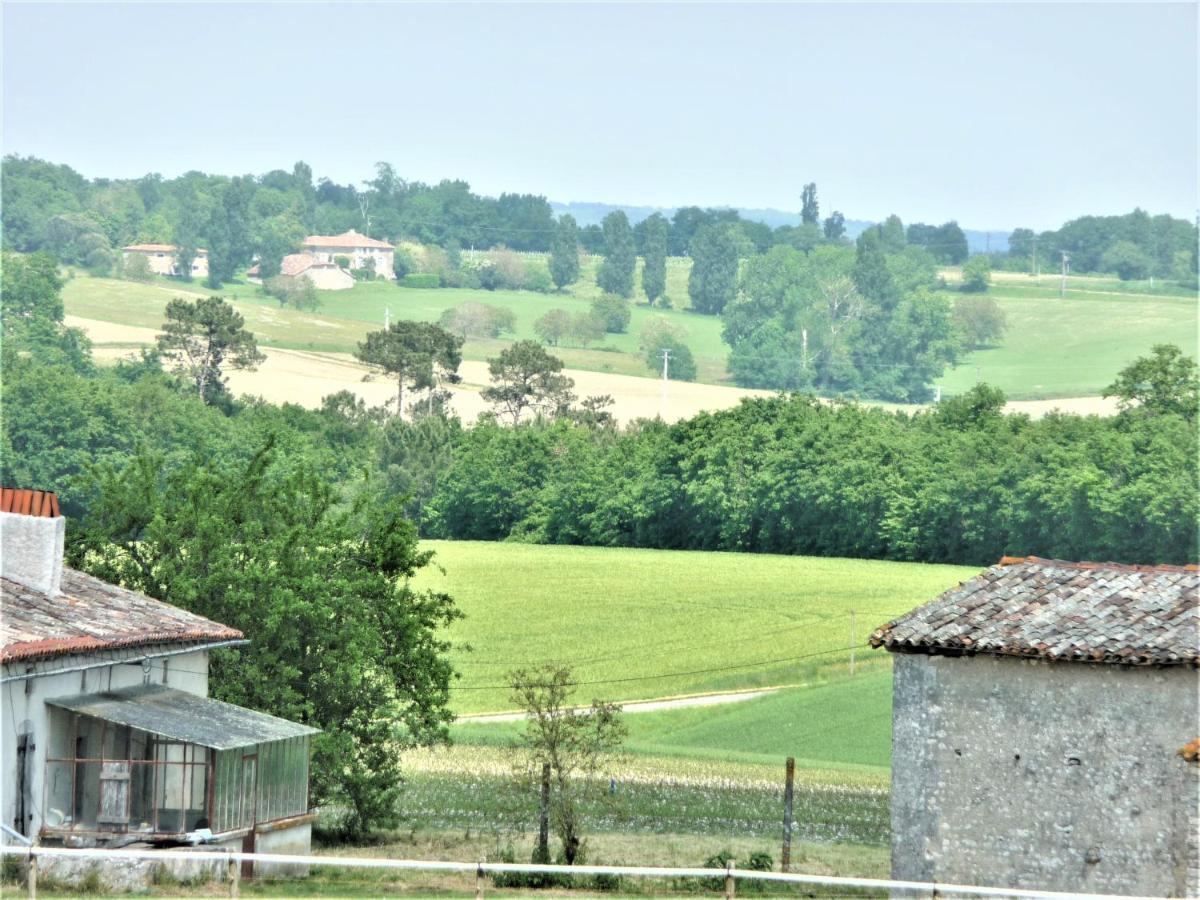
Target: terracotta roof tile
(1031,607)
(91,615)
(347,240)
(159,248)
(29,503)
(296,264)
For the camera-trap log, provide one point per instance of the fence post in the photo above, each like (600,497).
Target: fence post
(234,875)
(543,844)
(785,862)
(31,875)
(479,879)
(730,890)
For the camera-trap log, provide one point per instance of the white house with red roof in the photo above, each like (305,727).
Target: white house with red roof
(108,735)
(360,250)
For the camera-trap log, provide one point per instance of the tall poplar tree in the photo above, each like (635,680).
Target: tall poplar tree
(654,271)
(810,212)
(713,279)
(564,252)
(615,275)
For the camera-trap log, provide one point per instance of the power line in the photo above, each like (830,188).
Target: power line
(664,675)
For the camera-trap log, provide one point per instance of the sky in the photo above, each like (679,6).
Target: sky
(997,115)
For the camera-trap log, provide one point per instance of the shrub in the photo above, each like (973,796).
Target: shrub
(478,320)
(979,321)
(976,274)
(553,326)
(508,270)
(137,268)
(403,262)
(613,311)
(586,328)
(342,262)
(537,278)
(298,293)
(420,280)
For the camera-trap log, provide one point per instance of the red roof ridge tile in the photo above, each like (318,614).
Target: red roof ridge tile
(29,502)
(1116,567)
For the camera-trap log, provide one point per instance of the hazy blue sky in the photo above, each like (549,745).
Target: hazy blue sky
(998,115)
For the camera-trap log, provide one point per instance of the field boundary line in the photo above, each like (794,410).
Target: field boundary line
(730,873)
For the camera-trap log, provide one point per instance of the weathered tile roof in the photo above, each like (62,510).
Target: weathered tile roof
(91,615)
(159,248)
(296,263)
(1084,612)
(346,240)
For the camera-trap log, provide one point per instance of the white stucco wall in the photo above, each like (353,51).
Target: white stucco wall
(23,710)
(329,279)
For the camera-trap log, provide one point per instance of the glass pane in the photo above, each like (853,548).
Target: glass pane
(59,800)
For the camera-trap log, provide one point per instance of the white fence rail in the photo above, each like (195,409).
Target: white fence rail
(731,875)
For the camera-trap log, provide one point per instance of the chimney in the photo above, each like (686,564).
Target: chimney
(31,539)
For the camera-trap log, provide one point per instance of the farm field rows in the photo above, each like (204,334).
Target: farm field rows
(1070,348)
(658,623)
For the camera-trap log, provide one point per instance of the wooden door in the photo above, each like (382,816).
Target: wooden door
(249,808)
(114,793)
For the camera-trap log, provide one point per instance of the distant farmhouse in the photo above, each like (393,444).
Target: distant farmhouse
(1045,717)
(162,259)
(362,251)
(324,276)
(327,260)
(108,736)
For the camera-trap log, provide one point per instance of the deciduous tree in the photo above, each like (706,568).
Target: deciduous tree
(810,211)
(574,743)
(654,270)
(1165,382)
(615,275)
(713,279)
(564,252)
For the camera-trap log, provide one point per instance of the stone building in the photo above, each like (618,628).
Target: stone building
(162,259)
(1045,715)
(108,737)
(360,250)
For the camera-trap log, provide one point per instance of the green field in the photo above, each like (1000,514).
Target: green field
(1071,347)
(843,724)
(661,623)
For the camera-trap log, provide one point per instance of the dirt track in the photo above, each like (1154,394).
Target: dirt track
(304,377)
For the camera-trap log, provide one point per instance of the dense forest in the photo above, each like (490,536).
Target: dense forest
(83,221)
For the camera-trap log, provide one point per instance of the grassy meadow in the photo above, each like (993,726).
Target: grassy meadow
(1054,348)
(662,623)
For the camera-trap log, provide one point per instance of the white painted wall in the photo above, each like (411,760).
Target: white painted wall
(23,711)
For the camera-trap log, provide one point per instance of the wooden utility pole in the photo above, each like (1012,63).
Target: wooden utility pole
(785,858)
(234,875)
(31,875)
(729,883)
(543,845)
(852,642)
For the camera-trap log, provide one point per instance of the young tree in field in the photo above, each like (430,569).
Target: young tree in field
(564,252)
(615,275)
(976,274)
(810,211)
(416,354)
(574,743)
(713,279)
(835,227)
(525,376)
(271,546)
(137,268)
(661,334)
(587,328)
(553,326)
(614,311)
(654,271)
(979,320)
(1164,383)
(204,336)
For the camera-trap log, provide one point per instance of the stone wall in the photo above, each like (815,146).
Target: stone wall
(1059,776)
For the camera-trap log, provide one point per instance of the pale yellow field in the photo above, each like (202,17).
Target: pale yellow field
(304,377)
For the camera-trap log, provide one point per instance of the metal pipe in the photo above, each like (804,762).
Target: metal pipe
(134,658)
(628,871)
